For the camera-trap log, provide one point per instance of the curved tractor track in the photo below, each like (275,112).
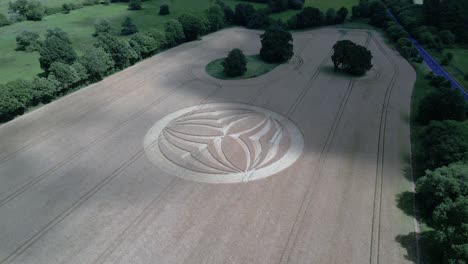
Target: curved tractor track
(300,165)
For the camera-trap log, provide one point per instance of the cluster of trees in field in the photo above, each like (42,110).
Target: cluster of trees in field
(65,71)
(281,5)
(442,190)
(276,47)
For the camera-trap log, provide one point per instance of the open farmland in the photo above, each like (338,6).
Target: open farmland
(314,181)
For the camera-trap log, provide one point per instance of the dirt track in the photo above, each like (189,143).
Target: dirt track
(77,186)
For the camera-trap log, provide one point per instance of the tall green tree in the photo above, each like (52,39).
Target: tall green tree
(119,49)
(128,28)
(134,5)
(235,64)
(351,58)
(193,26)
(56,48)
(276,45)
(98,63)
(215,16)
(174,33)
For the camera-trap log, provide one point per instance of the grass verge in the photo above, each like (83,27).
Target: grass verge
(255,68)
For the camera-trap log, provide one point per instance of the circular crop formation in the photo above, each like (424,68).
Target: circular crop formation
(223,143)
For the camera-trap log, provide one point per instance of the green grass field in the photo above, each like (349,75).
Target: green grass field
(459,65)
(255,67)
(79,24)
(48,3)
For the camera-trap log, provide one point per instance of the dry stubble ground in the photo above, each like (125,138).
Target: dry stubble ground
(76,185)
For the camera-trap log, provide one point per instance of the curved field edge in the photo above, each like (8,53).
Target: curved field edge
(255,67)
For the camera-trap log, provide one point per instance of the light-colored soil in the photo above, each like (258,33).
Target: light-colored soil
(77,186)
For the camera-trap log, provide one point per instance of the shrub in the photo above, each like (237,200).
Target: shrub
(31,10)
(278,5)
(128,28)
(27,41)
(466,77)
(134,5)
(235,64)
(276,45)
(164,10)
(174,33)
(91,2)
(192,25)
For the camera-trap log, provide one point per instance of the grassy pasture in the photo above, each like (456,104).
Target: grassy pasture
(48,3)
(79,26)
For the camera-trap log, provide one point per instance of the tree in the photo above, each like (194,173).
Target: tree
(309,17)
(9,105)
(448,182)
(44,90)
(442,104)
(64,74)
(278,5)
(21,90)
(443,196)
(56,48)
(147,45)
(351,58)
(341,15)
(134,5)
(276,45)
(330,17)
(31,10)
(120,50)
(444,142)
(128,28)
(174,33)
(192,25)
(27,41)
(243,14)
(102,26)
(215,16)
(259,20)
(98,63)
(235,64)
(164,10)
(296,4)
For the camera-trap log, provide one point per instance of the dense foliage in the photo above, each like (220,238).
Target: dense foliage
(351,58)
(192,25)
(235,64)
(164,10)
(276,45)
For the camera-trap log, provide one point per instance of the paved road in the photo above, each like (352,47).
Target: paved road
(435,67)
(135,169)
